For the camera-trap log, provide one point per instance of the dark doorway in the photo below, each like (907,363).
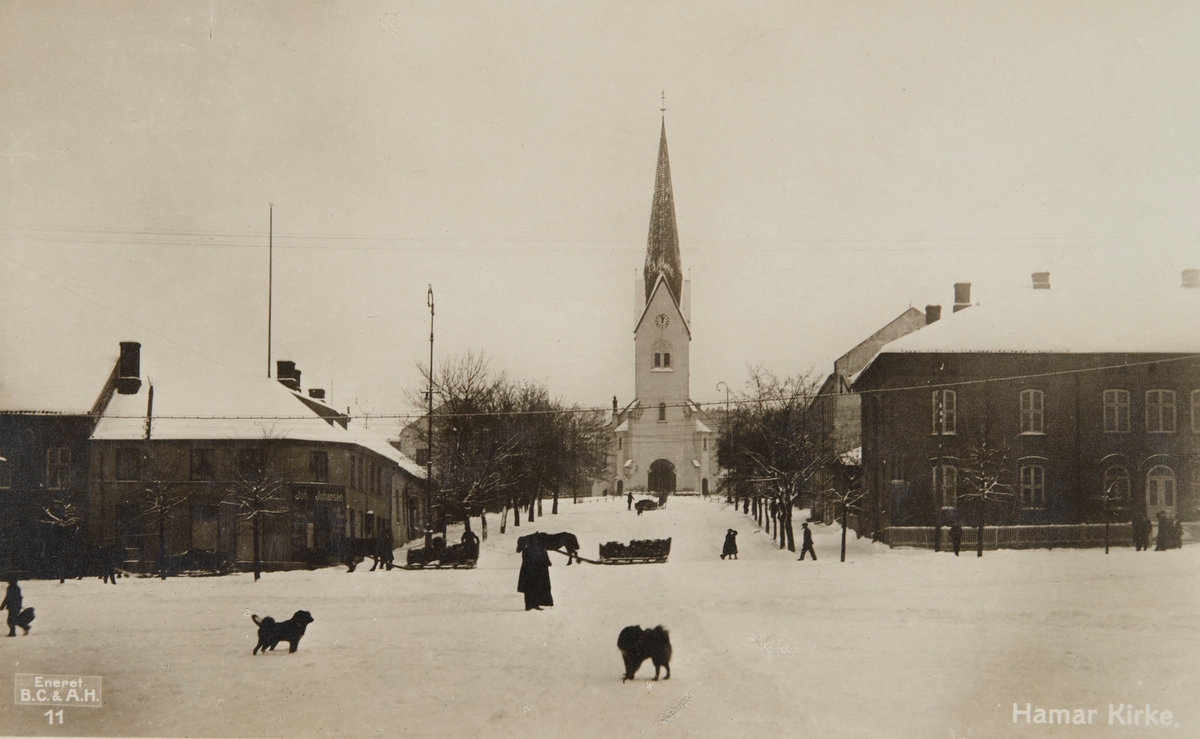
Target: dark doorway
(661,477)
(704,486)
(620,487)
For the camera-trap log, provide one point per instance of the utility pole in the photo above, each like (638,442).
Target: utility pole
(270,276)
(429,437)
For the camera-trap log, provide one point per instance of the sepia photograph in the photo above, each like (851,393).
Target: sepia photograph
(622,369)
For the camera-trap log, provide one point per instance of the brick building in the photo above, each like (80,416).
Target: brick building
(1094,399)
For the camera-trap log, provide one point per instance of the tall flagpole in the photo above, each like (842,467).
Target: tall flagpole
(270,277)
(429,438)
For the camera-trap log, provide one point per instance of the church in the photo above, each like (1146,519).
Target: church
(662,441)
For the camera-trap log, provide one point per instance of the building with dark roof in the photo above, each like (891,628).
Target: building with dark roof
(1090,402)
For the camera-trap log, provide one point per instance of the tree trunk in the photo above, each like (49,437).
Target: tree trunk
(554,507)
(531,508)
(791,537)
(745,505)
(504,519)
(539,502)
(1106,537)
(483,525)
(979,540)
(467,522)
(162,547)
(257,557)
(844,507)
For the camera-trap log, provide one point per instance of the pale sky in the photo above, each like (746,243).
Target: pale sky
(833,163)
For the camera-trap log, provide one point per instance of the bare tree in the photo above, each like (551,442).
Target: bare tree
(258,490)
(65,518)
(985,467)
(163,491)
(772,446)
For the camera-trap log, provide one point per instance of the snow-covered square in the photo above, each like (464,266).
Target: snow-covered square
(892,643)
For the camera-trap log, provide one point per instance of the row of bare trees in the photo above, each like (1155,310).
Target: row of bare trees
(501,445)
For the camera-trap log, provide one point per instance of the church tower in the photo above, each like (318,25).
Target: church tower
(662,441)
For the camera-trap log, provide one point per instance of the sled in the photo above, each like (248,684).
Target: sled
(457,557)
(636,552)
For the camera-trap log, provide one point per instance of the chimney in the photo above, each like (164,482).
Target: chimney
(614,404)
(1041,280)
(316,393)
(129,368)
(933,314)
(962,296)
(288,375)
(1191,278)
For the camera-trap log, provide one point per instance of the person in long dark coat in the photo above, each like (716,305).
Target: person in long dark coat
(1164,534)
(730,548)
(956,537)
(534,580)
(629,501)
(13,601)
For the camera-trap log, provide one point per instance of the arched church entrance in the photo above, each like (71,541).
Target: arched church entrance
(620,487)
(661,477)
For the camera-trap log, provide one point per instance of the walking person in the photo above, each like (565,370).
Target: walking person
(12,601)
(730,548)
(629,501)
(534,580)
(956,537)
(1164,532)
(807,547)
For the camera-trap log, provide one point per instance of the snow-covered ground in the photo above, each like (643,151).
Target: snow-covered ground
(896,643)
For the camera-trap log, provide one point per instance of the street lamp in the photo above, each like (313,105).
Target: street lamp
(429,437)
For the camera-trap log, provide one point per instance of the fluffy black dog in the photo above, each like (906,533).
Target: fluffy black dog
(271,633)
(638,644)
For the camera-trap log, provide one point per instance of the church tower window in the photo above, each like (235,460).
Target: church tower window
(666,359)
(662,411)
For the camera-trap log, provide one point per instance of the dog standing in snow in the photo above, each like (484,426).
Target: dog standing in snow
(638,644)
(270,632)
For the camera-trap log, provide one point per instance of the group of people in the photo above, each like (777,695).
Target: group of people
(1170,533)
(729,548)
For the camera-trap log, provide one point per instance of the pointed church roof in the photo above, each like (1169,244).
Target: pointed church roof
(662,282)
(662,245)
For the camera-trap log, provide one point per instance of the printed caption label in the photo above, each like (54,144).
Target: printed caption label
(76,691)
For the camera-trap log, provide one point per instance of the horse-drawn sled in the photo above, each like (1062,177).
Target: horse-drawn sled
(441,557)
(637,551)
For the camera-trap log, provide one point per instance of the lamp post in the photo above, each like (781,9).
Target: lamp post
(429,437)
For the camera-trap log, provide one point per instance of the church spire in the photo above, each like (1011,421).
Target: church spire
(662,246)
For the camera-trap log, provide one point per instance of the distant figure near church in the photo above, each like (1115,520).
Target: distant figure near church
(807,548)
(730,548)
(662,441)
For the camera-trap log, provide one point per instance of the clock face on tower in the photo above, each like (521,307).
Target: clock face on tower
(662,321)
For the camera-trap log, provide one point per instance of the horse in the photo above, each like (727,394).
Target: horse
(559,541)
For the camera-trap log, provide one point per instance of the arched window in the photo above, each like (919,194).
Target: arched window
(1033,486)
(945,481)
(1032,405)
(1116,485)
(662,356)
(662,411)
(1160,488)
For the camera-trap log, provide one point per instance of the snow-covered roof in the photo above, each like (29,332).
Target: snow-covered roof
(702,428)
(66,377)
(1066,321)
(193,404)
(623,426)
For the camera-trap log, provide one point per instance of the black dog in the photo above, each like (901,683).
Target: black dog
(271,633)
(638,644)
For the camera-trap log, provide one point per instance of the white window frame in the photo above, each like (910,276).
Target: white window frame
(1032,480)
(58,467)
(1033,415)
(1161,479)
(1156,409)
(945,481)
(1114,475)
(945,412)
(1116,411)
